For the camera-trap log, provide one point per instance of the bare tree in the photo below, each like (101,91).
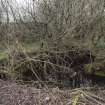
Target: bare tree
(76,19)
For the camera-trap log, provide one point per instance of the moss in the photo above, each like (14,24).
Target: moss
(3,56)
(88,68)
(100,73)
(96,68)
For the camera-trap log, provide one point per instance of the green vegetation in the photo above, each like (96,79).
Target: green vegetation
(95,68)
(3,56)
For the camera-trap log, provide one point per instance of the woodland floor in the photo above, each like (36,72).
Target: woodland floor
(12,93)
